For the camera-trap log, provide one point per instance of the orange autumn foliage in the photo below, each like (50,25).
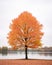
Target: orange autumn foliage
(25,30)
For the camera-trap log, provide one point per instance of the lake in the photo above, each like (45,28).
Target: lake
(31,55)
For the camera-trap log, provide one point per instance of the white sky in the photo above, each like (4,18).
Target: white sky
(41,9)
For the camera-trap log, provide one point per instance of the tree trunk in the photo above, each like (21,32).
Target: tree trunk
(26,57)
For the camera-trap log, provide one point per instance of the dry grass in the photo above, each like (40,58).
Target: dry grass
(25,62)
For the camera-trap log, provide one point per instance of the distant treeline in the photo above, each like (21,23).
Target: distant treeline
(45,51)
(3,50)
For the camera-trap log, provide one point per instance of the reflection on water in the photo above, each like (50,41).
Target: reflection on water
(31,55)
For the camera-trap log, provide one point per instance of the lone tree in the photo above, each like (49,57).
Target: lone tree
(25,32)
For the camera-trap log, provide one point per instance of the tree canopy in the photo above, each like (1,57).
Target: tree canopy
(25,30)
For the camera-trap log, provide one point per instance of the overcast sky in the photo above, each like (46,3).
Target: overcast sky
(41,9)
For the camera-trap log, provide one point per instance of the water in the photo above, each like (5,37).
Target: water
(38,56)
(31,55)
